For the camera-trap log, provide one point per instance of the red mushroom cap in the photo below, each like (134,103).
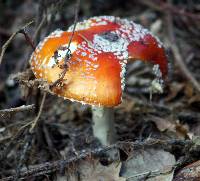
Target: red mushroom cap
(99,49)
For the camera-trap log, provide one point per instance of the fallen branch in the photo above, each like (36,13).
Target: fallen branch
(50,167)
(11,111)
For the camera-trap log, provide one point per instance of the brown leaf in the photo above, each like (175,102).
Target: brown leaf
(93,170)
(189,173)
(158,164)
(180,130)
(175,88)
(163,124)
(189,90)
(99,172)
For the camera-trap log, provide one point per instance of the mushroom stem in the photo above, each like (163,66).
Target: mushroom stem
(103,125)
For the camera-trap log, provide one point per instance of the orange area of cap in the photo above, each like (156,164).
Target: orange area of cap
(95,82)
(96,66)
(147,49)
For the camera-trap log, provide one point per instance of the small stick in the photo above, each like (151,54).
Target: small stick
(35,121)
(183,68)
(5,46)
(22,157)
(37,31)
(75,22)
(68,54)
(28,39)
(6,112)
(149,174)
(62,75)
(89,42)
(177,55)
(35,37)
(17,109)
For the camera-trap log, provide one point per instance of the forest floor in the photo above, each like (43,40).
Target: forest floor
(158,139)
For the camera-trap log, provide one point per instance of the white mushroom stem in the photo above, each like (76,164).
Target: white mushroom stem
(103,125)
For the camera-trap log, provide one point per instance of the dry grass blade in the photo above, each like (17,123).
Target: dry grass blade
(68,54)
(39,113)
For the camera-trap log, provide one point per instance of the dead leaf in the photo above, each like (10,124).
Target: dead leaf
(189,90)
(157,164)
(175,88)
(162,124)
(93,170)
(190,172)
(180,130)
(194,99)
(97,171)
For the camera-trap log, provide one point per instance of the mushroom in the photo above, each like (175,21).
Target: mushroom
(96,65)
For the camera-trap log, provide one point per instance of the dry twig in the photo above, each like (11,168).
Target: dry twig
(39,27)
(177,55)
(39,113)
(6,112)
(50,167)
(5,46)
(183,68)
(68,54)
